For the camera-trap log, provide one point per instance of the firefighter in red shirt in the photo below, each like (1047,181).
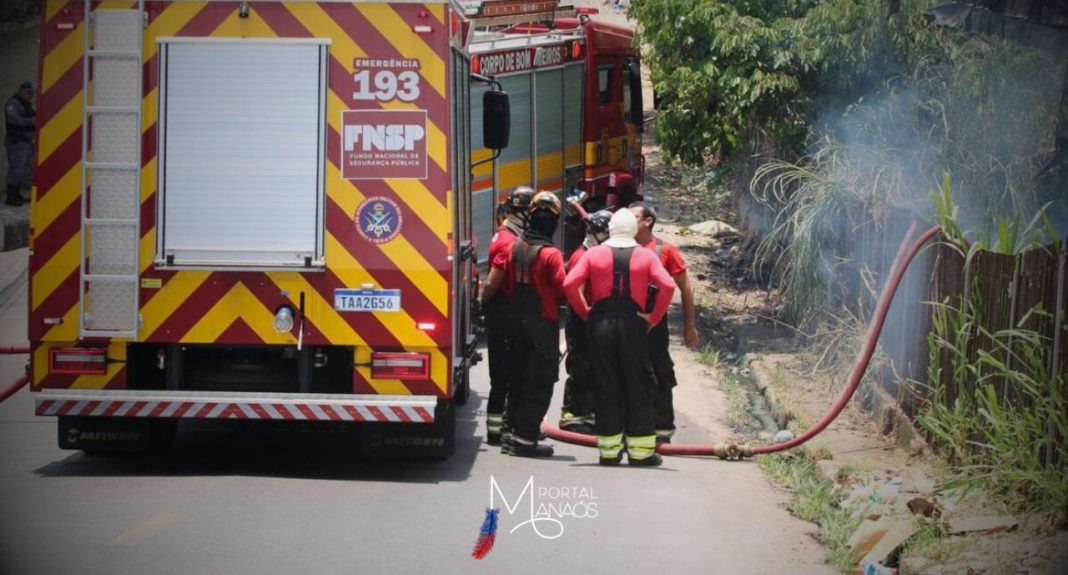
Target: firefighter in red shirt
(620,278)
(497,310)
(577,413)
(534,272)
(663,366)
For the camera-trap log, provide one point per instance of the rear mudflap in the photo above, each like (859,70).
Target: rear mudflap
(115,434)
(436,439)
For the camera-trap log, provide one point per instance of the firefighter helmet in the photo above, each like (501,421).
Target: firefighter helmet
(519,200)
(597,223)
(545,201)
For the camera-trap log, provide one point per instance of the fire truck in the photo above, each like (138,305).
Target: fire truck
(576,100)
(265,211)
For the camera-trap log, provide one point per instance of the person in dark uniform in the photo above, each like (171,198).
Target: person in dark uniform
(535,273)
(577,413)
(659,354)
(620,277)
(497,309)
(18,141)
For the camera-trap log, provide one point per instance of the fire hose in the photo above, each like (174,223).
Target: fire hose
(731,451)
(14,387)
(21,381)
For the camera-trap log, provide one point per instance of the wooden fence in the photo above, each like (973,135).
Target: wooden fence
(1028,290)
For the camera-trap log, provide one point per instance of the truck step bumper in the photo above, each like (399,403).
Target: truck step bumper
(229,405)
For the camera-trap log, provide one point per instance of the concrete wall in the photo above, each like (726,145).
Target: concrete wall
(19,46)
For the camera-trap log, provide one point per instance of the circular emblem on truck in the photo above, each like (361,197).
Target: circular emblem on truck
(378,219)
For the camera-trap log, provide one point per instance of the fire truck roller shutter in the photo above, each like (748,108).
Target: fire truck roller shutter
(549,135)
(515,166)
(242,148)
(573,115)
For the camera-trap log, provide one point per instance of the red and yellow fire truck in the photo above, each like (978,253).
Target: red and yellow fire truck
(576,100)
(264,210)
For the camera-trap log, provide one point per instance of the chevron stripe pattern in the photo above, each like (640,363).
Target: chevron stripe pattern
(226,307)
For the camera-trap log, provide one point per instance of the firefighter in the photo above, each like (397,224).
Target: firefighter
(577,414)
(496,308)
(19,119)
(663,366)
(620,277)
(534,271)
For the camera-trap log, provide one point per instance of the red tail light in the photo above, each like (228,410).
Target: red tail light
(78,360)
(400,365)
(476,64)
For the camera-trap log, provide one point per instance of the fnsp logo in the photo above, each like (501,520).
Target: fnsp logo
(377,144)
(383,137)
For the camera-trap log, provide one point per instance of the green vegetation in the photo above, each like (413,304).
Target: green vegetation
(864,108)
(711,356)
(815,500)
(990,402)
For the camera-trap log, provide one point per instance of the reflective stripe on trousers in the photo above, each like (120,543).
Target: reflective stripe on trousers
(610,446)
(494,421)
(641,447)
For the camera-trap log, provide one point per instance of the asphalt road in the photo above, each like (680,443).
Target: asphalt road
(261,501)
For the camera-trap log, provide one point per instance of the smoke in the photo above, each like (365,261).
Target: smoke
(987,116)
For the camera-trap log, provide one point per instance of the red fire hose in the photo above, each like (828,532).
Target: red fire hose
(860,366)
(14,387)
(20,382)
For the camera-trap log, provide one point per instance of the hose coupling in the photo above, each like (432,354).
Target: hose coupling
(732,451)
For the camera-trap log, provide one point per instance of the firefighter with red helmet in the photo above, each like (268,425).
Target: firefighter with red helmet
(660,356)
(534,274)
(629,291)
(577,413)
(497,308)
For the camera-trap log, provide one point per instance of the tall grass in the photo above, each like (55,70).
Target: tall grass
(995,440)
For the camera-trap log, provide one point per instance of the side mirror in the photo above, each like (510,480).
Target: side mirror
(637,107)
(496,119)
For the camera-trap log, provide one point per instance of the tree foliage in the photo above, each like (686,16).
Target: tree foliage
(723,67)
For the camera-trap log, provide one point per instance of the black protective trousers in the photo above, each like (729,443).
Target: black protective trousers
(533,368)
(497,311)
(664,371)
(623,386)
(578,389)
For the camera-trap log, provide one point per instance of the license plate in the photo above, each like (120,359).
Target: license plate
(368,300)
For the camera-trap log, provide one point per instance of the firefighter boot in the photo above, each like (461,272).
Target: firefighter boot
(526,448)
(575,423)
(14,196)
(506,441)
(653,460)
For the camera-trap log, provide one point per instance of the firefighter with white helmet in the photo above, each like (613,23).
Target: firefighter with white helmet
(577,413)
(620,308)
(497,308)
(534,274)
